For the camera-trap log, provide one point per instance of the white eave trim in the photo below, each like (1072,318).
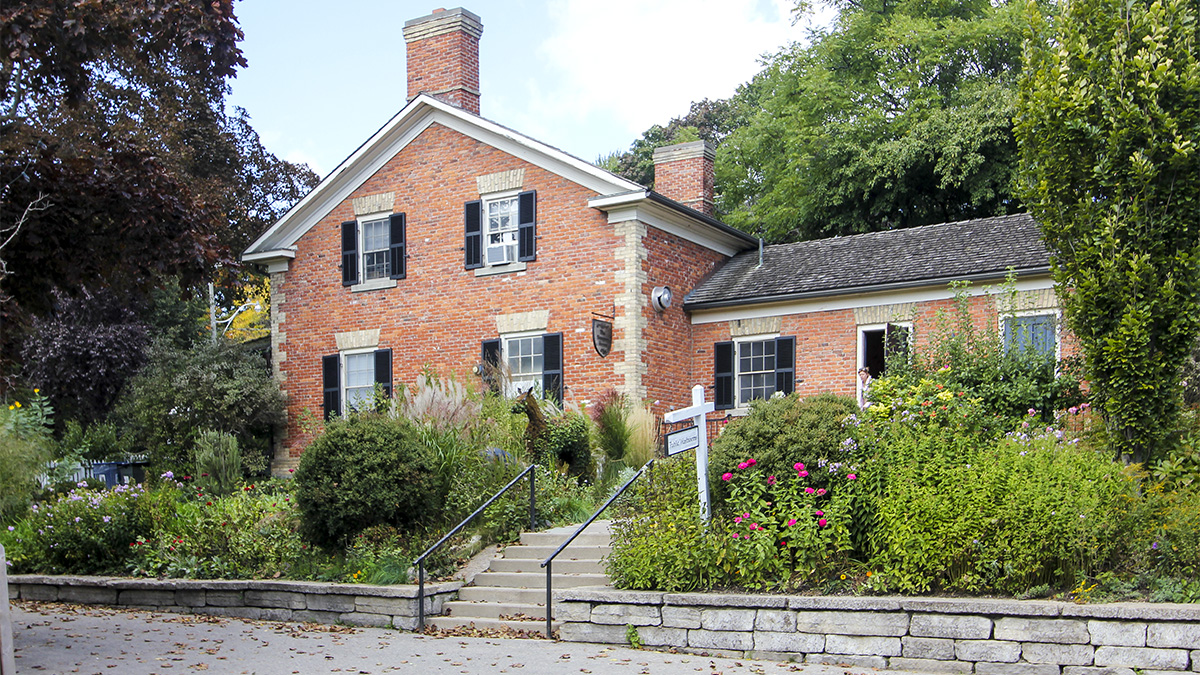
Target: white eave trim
(638,205)
(401,130)
(841,301)
(267,256)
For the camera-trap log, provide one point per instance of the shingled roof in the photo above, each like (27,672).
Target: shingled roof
(896,258)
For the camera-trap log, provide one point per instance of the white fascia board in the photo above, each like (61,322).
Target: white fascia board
(401,130)
(638,206)
(828,303)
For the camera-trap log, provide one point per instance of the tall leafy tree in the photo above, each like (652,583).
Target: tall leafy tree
(113,127)
(1108,124)
(899,115)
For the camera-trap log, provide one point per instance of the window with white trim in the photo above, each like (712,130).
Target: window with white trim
(501,232)
(375,245)
(359,385)
(753,368)
(1035,330)
(524,357)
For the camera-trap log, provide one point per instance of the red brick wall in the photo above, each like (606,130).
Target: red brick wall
(447,64)
(440,314)
(678,264)
(687,181)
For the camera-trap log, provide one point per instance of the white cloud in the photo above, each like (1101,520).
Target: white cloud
(641,62)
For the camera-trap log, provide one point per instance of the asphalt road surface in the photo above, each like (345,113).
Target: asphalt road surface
(61,638)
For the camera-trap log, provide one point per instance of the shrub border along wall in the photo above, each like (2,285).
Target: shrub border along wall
(353,604)
(934,635)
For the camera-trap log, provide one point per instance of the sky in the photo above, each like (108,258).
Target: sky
(585,76)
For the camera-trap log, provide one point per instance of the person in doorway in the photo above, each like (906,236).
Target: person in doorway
(864,381)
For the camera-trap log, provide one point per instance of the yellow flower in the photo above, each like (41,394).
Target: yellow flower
(36,390)
(843,577)
(17,403)
(12,407)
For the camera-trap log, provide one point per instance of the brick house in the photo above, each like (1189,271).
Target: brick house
(450,242)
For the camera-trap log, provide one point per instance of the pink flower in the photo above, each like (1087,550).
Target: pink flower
(804,474)
(851,476)
(745,515)
(743,465)
(820,513)
(737,519)
(809,491)
(821,523)
(754,526)
(1032,412)
(751,462)
(726,476)
(1072,410)
(791,522)
(735,535)
(798,466)
(820,491)
(770,480)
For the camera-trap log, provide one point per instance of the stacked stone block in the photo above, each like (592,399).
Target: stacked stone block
(353,604)
(988,637)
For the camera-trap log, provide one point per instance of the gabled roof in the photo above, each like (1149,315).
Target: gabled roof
(933,254)
(278,241)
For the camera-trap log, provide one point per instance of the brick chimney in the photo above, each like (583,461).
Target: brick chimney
(684,172)
(443,57)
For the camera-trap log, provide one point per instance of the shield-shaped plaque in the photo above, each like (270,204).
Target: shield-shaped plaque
(602,337)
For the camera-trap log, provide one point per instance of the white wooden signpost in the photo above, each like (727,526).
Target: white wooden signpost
(697,438)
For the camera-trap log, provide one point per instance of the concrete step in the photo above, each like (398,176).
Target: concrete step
(553,539)
(449,622)
(538,580)
(482,594)
(533,565)
(572,552)
(495,610)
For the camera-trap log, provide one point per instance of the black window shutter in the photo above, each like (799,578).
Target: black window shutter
(552,366)
(397,247)
(331,375)
(473,224)
(527,226)
(723,398)
(489,360)
(785,364)
(383,370)
(349,253)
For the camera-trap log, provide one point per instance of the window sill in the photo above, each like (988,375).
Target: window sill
(373,285)
(500,269)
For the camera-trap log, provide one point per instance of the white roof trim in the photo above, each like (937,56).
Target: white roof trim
(851,300)
(639,206)
(401,130)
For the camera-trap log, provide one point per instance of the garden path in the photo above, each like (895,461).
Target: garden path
(61,638)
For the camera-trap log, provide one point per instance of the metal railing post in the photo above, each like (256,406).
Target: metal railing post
(420,595)
(532,501)
(549,603)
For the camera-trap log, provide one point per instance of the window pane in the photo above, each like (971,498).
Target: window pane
(360,370)
(756,370)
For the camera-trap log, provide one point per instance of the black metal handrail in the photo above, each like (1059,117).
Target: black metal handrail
(548,563)
(420,561)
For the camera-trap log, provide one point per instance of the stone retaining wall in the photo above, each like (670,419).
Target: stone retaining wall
(932,635)
(353,604)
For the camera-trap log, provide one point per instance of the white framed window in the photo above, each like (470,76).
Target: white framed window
(374,241)
(501,214)
(877,343)
(756,364)
(358,385)
(1035,330)
(524,357)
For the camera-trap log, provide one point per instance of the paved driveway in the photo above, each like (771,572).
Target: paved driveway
(59,638)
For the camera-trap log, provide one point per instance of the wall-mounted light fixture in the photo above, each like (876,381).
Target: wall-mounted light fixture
(660,298)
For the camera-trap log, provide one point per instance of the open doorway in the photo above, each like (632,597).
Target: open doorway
(879,343)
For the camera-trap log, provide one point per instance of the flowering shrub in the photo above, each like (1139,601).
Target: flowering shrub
(24,443)
(784,430)
(249,534)
(781,527)
(85,531)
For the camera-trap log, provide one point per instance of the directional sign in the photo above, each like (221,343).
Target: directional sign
(697,412)
(683,440)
